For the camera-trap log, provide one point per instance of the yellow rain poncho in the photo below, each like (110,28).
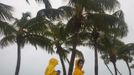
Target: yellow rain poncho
(77,70)
(50,70)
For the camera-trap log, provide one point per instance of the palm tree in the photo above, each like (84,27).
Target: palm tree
(57,14)
(10,38)
(111,46)
(125,53)
(21,33)
(102,23)
(58,36)
(106,59)
(119,50)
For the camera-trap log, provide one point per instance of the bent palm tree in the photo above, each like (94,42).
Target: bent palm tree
(125,53)
(57,14)
(56,35)
(110,46)
(59,35)
(98,23)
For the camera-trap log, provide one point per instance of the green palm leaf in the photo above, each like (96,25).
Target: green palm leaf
(132,66)
(5,12)
(56,14)
(46,2)
(79,54)
(6,29)
(22,22)
(108,4)
(108,23)
(96,5)
(38,40)
(7,40)
(37,25)
(50,13)
(127,48)
(67,11)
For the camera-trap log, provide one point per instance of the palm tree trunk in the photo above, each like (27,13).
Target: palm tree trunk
(115,68)
(71,65)
(118,71)
(59,51)
(63,65)
(18,60)
(96,61)
(95,35)
(68,61)
(109,69)
(128,68)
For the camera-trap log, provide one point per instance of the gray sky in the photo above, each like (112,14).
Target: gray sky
(34,61)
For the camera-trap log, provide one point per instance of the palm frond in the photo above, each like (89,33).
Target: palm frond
(79,54)
(37,25)
(127,48)
(108,4)
(5,12)
(28,1)
(46,2)
(22,22)
(64,53)
(121,24)
(108,24)
(132,66)
(6,40)
(58,32)
(105,58)
(102,19)
(52,14)
(96,5)
(67,11)
(119,14)
(6,28)
(41,41)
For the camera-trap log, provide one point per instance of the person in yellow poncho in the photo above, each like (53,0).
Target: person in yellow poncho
(50,70)
(78,67)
